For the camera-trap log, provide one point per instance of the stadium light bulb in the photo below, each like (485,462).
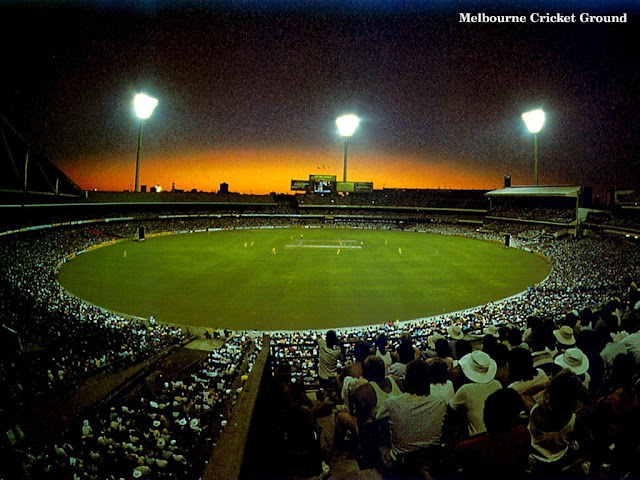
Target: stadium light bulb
(534,120)
(347,124)
(144,105)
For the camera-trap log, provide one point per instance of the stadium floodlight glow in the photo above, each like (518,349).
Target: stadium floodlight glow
(534,120)
(347,125)
(144,105)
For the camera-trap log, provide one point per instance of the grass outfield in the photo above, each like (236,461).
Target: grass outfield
(317,278)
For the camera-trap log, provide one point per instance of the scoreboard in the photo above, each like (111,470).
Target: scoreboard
(327,184)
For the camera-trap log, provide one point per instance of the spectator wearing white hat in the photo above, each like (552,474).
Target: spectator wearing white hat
(480,369)
(542,345)
(564,336)
(455,332)
(431,340)
(430,352)
(455,335)
(573,359)
(491,330)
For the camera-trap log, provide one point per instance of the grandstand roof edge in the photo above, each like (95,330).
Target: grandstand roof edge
(532,191)
(390,207)
(85,204)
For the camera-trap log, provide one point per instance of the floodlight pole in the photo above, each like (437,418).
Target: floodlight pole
(144,106)
(137,188)
(534,120)
(535,159)
(344,173)
(347,124)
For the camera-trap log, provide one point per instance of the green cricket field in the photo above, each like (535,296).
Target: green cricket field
(298,278)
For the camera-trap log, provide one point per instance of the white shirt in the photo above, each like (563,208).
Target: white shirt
(443,390)
(611,351)
(472,397)
(521,386)
(386,358)
(415,421)
(327,359)
(632,343)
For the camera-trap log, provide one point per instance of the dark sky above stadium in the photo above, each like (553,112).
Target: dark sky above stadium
(249,91)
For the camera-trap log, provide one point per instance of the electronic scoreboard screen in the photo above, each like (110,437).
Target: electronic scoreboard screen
(322,186)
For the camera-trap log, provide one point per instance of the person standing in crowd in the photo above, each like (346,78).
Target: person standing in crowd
(382,342)
(329,353)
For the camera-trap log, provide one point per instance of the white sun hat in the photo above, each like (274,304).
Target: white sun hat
(478,366)
(574,360)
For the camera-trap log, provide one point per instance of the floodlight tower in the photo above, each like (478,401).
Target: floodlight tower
(534,120)
(347,125)
(143,106)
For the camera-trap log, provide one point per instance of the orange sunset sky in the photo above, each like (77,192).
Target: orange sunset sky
(262,171)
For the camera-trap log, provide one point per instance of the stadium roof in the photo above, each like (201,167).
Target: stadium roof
(535,192)
(25,170)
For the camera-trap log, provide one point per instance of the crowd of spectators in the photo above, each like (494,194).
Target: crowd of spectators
(396,197)
(167,433)
(547,399)
(555,215)
(59,336)
(625,222)
(631,198)
(71,338)
(65,326)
